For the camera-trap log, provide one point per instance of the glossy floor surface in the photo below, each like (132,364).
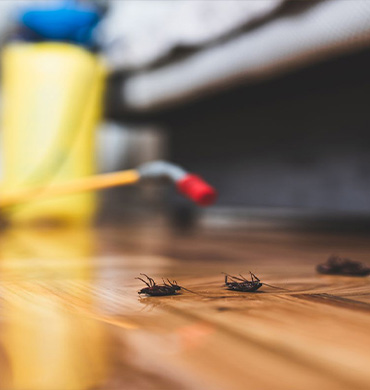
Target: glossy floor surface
(71,317)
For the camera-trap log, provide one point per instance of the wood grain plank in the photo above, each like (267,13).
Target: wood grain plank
(71,318)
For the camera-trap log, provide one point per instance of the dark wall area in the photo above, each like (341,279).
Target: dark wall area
(301,140)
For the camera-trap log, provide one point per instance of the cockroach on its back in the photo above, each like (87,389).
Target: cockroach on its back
(159,290)
(336,265)
(242,284)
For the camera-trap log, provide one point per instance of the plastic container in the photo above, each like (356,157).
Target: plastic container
(52,95)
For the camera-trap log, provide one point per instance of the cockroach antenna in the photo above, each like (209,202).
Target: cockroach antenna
(270,285)
(266,284)
(174,283)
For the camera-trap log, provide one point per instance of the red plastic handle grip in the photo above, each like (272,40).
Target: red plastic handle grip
(196,189)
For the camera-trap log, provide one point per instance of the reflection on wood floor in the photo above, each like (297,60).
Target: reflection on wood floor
(71,318)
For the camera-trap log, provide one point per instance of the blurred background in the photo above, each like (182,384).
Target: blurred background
(265,99)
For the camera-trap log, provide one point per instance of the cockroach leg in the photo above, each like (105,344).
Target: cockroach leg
(151,281)
(144,281)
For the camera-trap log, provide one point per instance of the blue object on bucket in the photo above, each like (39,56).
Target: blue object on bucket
(62,21)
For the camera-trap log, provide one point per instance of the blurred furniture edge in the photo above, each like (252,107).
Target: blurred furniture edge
(274,117)
(317,32)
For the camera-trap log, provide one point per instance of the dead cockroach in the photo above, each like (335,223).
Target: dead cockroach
(158,290)
(161,290)
(336,265)
(242,284)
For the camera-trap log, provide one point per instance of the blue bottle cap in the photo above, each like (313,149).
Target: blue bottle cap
(67,21)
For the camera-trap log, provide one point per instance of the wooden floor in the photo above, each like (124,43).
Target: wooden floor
(71,318)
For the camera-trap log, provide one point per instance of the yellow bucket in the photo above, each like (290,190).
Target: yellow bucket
(52,96)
